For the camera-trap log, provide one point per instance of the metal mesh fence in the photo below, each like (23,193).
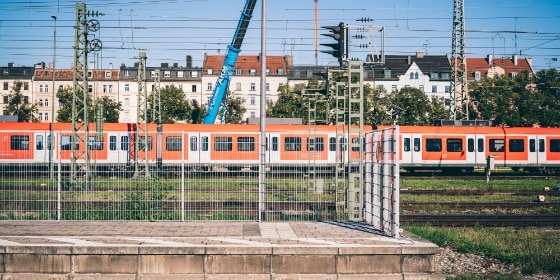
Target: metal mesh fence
(191,178)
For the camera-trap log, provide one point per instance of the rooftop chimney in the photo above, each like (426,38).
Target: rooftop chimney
(189,62)
(514,58)
(489,57)
(419,54)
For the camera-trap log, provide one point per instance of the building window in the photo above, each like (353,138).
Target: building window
(445,76)
(280,71)
(107,74)
(434,76)
(126,101)
(180,74)
(387,73)
(89,74)
(252,86)
(411,75)
(394,88)
(46,116)
(447,89)
(105,88)
(194,74)
(297,73)
(209,71)
(90,88)
(6,86)
(166,74)
(60,87)
(253,101)
(253,114)
(267,71)
(237,86)
(238,71)
(153,74)
(253,72)
(40,87)
(421,87)
(40,102)
(26,86)
(309,73)
(180,86)
(434,88)
(46,104)
(267,86)
(40,116)
(127,72)
(209,86)
(126,87)
(193,88)
(416,75)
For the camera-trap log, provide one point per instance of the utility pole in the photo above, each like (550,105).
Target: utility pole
(458,90)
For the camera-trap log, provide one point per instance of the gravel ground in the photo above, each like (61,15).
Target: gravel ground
(452,263)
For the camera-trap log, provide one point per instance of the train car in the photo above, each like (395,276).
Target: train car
(235,147)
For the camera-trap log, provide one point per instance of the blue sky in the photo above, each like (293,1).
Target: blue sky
(168,30)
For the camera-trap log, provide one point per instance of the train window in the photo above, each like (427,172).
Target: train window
(332,144)
(174,143)
(266,144)
(454,145)
(113,143)
(39,142)
(315,144)
(94,144)
(275,143)
(204,143)
(194,143)
(470,145)
(19,142)
(554,145)
(433,145)
(497,145)
(66,143)
(292,144)
(142,140)
(223,143)
(480,145)
(246,143)
(416,144)
(532,144)
(342,142)
(124,143)
(406,144)
(516,145)
(355,144)
(541,145)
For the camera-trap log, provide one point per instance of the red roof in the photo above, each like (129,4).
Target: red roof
(491,65)
(246,63)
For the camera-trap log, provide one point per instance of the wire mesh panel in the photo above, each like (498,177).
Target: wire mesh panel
(191,175)
(382,180)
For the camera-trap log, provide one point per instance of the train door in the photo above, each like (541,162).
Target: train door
(119,144)
(273,147)
(407,149)
(199,149)
(41,148)
(536,155)
(475,155)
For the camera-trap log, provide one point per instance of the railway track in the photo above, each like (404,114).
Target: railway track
(482,220)
(552,192)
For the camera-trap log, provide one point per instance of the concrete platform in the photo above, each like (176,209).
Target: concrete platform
(209,250)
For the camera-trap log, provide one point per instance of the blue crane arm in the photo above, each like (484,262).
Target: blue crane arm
(232,53)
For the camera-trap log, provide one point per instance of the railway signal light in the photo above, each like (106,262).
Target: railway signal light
(340,48)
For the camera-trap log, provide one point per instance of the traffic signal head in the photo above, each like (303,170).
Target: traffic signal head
(340,48)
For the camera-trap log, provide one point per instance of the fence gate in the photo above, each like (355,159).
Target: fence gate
(382,180)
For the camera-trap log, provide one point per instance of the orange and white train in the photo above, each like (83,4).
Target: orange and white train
(287,147)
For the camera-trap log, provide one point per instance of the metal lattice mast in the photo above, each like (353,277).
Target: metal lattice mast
(141,144)
(355,137)
(459,94)
(80,100)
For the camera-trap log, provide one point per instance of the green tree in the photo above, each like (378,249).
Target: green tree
(548,85)
(18,105)
(234,109)
(174,106)
(65,96)
(289,103)
(197,114)
(411,105)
